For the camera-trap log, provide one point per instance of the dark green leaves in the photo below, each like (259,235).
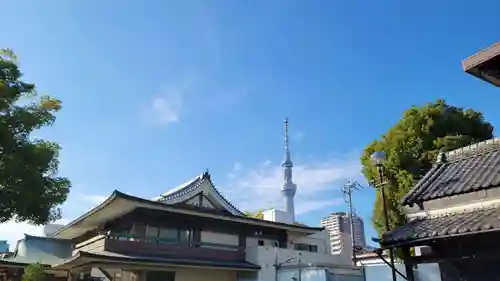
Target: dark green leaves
(33,272)
(30,189)
(412,146)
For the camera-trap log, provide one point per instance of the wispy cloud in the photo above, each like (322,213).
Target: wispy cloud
(12,231)
(77,204)
(166,108)
(317,182)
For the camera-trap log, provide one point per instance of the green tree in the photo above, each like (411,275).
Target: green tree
(412,146)
(30,189)
(33,272)
(259,214)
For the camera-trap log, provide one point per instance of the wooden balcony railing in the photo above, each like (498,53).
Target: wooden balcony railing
(140,246)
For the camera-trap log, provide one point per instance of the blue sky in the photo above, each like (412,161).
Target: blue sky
(155,92)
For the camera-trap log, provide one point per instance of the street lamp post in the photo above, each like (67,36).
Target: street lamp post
(378,158)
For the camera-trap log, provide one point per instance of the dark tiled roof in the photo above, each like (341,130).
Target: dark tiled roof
(115,257)
(192,185)
(469,169)
(470,222)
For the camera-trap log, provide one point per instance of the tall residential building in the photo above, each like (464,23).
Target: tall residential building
(339,228)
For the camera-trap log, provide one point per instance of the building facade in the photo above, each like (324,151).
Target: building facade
(453,215)
(338,226)
(189,233)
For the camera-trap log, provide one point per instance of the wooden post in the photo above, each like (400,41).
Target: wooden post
(408,264)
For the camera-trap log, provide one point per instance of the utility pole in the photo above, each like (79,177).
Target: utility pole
(347,194)
(300,266)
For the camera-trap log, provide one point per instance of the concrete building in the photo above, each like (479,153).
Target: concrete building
(338,226)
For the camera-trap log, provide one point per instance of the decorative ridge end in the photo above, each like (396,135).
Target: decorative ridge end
(441,158)
(206,175)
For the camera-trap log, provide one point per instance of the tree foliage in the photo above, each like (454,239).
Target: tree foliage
(30,189)
(412,146)
(33,272)
(259,214)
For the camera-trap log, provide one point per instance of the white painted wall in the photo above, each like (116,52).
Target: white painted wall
(275,215)
(320,239)
(265,258)
(254,241)
(308,274)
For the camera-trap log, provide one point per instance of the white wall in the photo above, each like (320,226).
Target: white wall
(308,274)
(254,241)
(265,258)
(320,239)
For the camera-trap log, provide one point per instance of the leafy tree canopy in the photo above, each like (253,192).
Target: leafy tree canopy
(30,189)
(412,146)
(34,272)
(259,214)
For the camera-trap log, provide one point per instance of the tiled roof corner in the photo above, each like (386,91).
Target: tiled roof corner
(468,169)
(434,227)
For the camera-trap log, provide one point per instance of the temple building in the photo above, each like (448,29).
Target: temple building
(454,216)
(485,64)
(191,232)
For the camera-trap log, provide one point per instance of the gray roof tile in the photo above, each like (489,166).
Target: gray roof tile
(470,169)
(192,185)
(470,222)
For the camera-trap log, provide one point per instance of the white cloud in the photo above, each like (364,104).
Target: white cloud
(317,182)
(166,109)
(12,231)
(76,205)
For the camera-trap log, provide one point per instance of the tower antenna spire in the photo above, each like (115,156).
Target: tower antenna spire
(288,188)
(287,162)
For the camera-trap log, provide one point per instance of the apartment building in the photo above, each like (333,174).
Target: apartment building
(338,226)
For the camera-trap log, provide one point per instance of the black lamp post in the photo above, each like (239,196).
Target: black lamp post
(378,158)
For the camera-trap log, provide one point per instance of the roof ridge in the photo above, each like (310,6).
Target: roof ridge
(193,184)
(473,149)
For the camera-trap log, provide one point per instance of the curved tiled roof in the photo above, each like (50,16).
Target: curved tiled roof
(469,169)
(429,228)
(192,185)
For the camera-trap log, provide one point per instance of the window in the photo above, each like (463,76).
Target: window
(168,234)
(160,276)
(185,235)
(261,242)
(274,244)
(306,247)
(151,231)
